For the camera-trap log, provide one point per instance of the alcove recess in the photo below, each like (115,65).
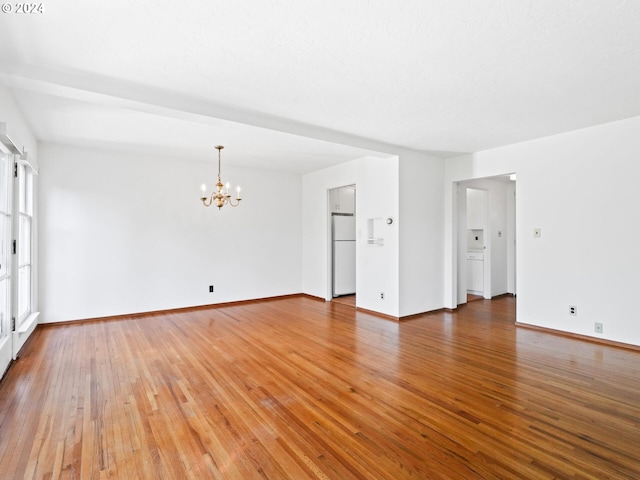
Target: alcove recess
(374,232)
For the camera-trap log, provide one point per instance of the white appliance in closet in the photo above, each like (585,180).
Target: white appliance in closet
(343,233)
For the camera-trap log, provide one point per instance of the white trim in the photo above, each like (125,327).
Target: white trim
(23,161)
(11,147)
(28,322)
(6,141)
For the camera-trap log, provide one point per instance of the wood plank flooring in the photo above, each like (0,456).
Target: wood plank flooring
(345,300)
(297,388)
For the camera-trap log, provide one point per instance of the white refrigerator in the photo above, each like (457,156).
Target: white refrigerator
(343,233)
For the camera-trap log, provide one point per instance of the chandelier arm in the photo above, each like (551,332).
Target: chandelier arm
(204,201)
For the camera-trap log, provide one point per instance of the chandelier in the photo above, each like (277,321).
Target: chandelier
(220,197)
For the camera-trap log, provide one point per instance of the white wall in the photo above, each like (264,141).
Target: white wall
(124,233)
(408,267)
(376,181)
(316,227)
(378,266)
(421,227)
(581,189)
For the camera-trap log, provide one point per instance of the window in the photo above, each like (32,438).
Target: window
(6,267)
(17,295)
(25,241)
(5,245)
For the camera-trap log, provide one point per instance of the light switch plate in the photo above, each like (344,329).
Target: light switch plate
(537,232)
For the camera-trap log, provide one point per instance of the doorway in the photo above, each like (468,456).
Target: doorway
(478,284)
(342,212)
(485,238)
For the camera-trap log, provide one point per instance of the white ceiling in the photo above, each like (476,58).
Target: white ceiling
(298,85)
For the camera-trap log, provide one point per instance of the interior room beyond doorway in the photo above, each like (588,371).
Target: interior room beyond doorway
(485,242)
(342,211)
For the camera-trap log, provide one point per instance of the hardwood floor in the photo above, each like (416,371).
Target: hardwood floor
(297,388)
(472,298)
(345,300)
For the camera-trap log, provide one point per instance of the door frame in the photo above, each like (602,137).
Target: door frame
(459,250)
(329,291)
(19,329)
(7,349)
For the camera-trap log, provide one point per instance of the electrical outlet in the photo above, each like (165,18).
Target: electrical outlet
(382,295)
(573,310)
(598,327)
(210,288)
